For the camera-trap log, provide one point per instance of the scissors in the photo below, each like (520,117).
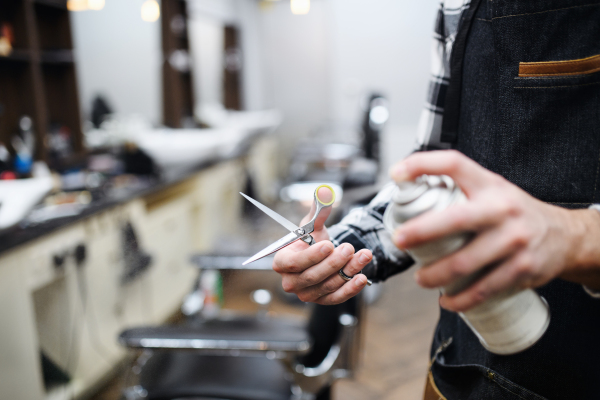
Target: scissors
(296,233)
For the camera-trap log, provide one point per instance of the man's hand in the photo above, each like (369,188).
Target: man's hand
(312,272)
(532,242)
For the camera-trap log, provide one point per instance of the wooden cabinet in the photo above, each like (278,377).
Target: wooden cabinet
(38,77)
(178,92)
(73,314)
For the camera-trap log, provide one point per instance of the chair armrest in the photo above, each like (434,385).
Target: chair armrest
(239,333)
(339,362)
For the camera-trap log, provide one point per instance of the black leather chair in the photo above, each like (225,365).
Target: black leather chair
(244,357)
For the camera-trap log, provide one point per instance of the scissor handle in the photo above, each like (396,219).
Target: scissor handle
(309,240)
(321,202)
(320,206)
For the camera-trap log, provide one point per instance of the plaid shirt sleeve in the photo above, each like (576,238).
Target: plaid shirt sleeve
(363,229)
(429,133)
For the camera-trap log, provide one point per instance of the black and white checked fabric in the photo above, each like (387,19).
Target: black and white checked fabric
(446,28)
(363,227)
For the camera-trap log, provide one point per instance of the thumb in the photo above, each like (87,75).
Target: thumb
(326,196)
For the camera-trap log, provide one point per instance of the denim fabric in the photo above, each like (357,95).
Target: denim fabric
(543,134)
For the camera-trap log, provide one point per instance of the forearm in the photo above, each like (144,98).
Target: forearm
(363,229)
(584,261)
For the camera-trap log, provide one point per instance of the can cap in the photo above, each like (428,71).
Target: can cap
(410,191)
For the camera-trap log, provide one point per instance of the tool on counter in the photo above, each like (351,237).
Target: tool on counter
(506,324)
(24,145)
(296,233)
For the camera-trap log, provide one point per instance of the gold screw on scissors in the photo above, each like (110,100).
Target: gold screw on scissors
(297,233)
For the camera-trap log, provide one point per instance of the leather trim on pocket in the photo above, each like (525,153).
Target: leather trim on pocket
(582,66)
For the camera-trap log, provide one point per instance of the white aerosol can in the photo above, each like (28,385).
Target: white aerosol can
(505,324)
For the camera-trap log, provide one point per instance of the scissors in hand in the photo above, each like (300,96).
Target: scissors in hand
(296,233)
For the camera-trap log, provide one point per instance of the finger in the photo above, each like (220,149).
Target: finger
(466,173)
(485,249)
(335,281)
(297,257)
(507,276)
(295,282)
(329,266)
(325,195)
(347,291)
(466,217)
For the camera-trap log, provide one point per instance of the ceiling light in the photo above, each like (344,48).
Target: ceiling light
(77,5)
(150,11)
(300,7)
(96,5)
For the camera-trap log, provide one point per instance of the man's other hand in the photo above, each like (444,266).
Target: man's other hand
(312,272)
(531,242)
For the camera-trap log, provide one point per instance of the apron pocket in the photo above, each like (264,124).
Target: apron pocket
(559,81)
(476,382)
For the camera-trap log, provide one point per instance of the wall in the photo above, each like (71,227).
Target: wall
(296,63)
(207,19)
(382,45)
(319,66)
(119,55)
(206,48)
(315,67)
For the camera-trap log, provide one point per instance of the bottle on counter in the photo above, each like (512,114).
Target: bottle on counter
(211,285)
(24,145)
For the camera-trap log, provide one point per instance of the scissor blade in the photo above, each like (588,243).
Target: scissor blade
(290,226)
(278,245)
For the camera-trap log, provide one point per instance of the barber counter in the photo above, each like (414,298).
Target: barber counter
(66,293)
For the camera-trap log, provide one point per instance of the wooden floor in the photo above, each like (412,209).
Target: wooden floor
(398,336)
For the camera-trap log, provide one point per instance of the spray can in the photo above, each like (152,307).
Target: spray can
(505,324)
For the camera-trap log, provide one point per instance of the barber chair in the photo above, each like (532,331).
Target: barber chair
(241,357)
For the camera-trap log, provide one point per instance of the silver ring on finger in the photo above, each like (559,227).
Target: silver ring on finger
(344,276)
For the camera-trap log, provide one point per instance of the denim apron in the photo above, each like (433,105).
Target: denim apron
(541,131)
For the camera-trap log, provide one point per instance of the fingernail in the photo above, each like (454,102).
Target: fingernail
(398,172)
(399,239)
(326,249)
(417,278)
(363,258)
(443,302)
(347,250)
(360,281)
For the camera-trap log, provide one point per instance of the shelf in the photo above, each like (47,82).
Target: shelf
(53,26)
(60,4)
(65,56)
(17,56)
(16,97)
(57,56)
(38,77)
